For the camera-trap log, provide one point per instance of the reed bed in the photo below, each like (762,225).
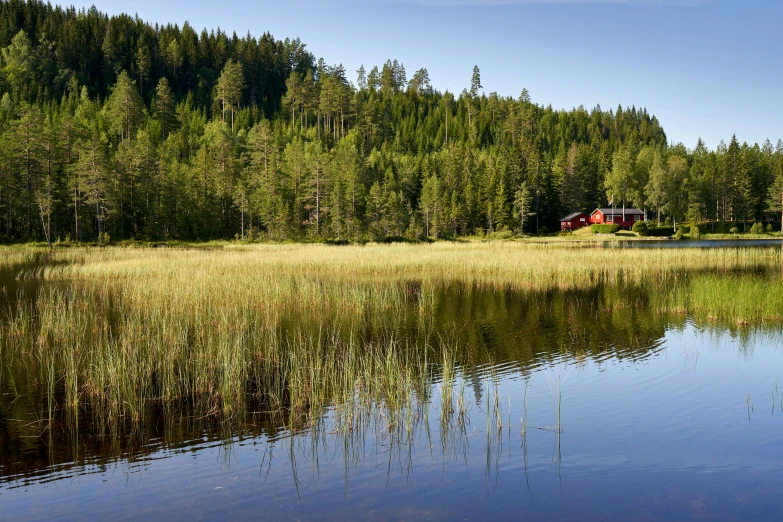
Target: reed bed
(517,265)
(738,299)
(289,328)
(15,255)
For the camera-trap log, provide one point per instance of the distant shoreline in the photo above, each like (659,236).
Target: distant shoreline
(552,239)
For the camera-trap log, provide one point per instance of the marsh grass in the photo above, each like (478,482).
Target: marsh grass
(738,299)
(299,331)
(495,265)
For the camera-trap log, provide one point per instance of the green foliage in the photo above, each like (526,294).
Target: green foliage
(523,205)
(660,231)
(543,231)
(604,229)
(109,125)
(769,229)
(640,228)
(695,232)
(619,180)
(757,229)
(500,235)
(680,233)
(20,61)
(734,230)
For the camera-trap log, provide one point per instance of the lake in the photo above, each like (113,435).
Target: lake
(570,404)
(702,243)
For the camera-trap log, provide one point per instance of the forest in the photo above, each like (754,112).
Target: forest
(112,128)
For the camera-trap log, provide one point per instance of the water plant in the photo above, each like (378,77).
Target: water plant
(294,330)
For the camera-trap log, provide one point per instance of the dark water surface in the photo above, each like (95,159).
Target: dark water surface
(659,418)
(700,243)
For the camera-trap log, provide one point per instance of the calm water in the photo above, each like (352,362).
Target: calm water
(711,243)
(660,419)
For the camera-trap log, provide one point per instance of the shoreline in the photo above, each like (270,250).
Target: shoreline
(553,239)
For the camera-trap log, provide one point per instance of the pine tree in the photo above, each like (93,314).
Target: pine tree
(522,205)
(229,89)
(430,206)
(124,108)
(775,194)
(27,136)
(165,108)
(374,213)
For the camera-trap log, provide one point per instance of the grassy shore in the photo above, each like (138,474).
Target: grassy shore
(297,328)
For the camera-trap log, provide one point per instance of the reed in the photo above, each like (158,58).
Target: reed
(738,299)
(298,329)
(494,265)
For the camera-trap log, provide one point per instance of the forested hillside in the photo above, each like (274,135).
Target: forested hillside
(113,128)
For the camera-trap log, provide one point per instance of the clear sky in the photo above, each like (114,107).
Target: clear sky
(706,68)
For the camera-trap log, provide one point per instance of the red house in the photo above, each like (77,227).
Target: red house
(617,216)
(574,221)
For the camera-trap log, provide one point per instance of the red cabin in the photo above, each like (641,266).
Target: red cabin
(617,216)
(574,221)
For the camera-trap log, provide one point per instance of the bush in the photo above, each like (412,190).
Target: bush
(695,232)
(543,231)
(660,231)
(734,230)
(604,229)
(679,234)
(757,229)
(395,239)
(769,228)
(640,228)
(721,228)
(500,235)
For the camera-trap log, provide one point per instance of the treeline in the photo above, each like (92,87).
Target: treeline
(113,128)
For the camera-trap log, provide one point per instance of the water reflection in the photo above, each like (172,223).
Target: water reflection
(631,433)
(696,243)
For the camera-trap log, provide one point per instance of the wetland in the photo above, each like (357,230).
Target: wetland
(577,382)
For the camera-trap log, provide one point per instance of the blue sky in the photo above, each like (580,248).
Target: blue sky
(706,68)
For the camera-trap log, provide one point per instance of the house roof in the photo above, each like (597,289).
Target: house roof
(618,211)
(570,217)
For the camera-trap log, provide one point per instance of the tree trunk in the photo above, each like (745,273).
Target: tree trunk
(100,221)
(318,201)
(537,212)
(29,185)
(47,232)
(8,216)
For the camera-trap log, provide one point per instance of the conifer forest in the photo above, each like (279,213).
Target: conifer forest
(112,128)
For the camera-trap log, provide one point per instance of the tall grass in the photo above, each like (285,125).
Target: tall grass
(291,328)
(738,299)
(495,265)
